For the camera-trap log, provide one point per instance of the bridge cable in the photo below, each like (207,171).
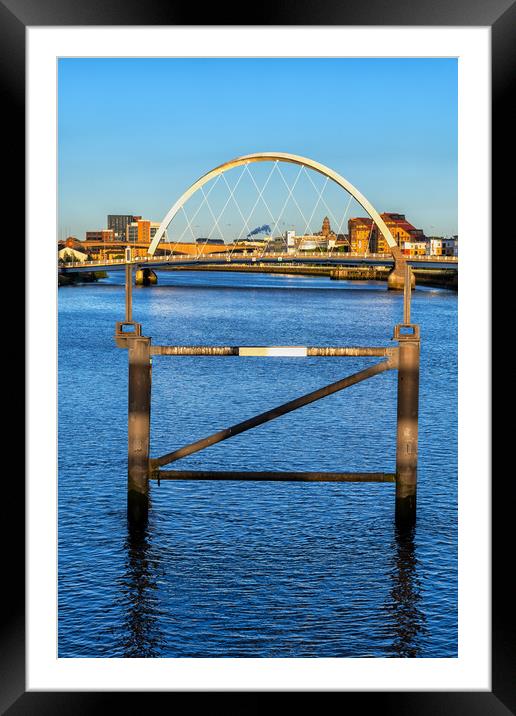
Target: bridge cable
(289,195)
(339,230)
(369,237)
(330,212)
(199,207)
(234,199)
(260,192)
(316,203)
(231,192)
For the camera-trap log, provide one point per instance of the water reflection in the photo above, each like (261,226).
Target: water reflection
(404,604)
(141,634)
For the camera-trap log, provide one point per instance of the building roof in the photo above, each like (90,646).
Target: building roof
(399,221)
(363,219)
(78,255)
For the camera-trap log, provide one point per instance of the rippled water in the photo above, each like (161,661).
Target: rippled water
(228,569)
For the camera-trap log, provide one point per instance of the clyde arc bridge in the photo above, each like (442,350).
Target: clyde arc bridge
(287,191)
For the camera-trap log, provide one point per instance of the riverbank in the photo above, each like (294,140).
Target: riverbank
(73,278)
(438,278)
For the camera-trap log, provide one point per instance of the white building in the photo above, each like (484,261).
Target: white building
(68,254)
(414,248)
(290,240)
(443,247)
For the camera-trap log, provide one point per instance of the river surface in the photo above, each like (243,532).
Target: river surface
(273,569)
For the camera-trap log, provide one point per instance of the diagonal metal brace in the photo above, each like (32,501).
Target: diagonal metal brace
(272,414)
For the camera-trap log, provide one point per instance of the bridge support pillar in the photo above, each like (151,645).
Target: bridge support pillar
(396,278)
(145,277)
(407,429)
(138,430)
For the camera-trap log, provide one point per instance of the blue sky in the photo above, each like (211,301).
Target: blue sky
(133,134)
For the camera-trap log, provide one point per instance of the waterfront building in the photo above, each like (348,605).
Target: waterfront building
(71,242)
(364,236)
(252,239)
(136,231)
(440,246)
(401,230)
(102,235)
(118,224)
(101,244)
(328,233)
(67,254)
(247,246)
(142,232)
(342,243)
(311,242)
(414,248)
(278,244)
(290,241)
(326,228)
(321,241)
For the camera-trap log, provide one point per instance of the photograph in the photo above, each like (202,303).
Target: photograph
(241,240)
(259,398)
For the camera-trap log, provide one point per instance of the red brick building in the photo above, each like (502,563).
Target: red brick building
(364,235)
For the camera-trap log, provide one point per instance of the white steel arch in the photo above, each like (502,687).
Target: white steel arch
(281,157)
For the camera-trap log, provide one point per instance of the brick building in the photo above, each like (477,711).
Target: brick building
(118,223)
(364,235)
(401,230)
(103,235)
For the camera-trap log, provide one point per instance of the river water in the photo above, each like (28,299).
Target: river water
(274,569)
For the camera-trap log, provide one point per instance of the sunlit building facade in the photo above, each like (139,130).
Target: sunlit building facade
(365,237)
(118,224)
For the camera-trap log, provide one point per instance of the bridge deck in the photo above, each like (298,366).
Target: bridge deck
(450,262)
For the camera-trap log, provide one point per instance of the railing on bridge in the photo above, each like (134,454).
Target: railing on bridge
(256,257)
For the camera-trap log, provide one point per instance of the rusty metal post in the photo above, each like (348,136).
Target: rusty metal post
(407,429)
(128,293)
(138,429)
(407,295)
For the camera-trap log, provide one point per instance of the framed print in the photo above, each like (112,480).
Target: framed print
(223,150)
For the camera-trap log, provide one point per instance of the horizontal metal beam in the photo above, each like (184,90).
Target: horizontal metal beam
(268,476)
(271,414)
(284,351)
(194,350)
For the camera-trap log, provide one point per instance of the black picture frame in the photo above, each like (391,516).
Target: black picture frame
(500,15)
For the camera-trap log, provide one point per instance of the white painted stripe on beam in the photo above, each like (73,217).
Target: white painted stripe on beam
(275,351)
